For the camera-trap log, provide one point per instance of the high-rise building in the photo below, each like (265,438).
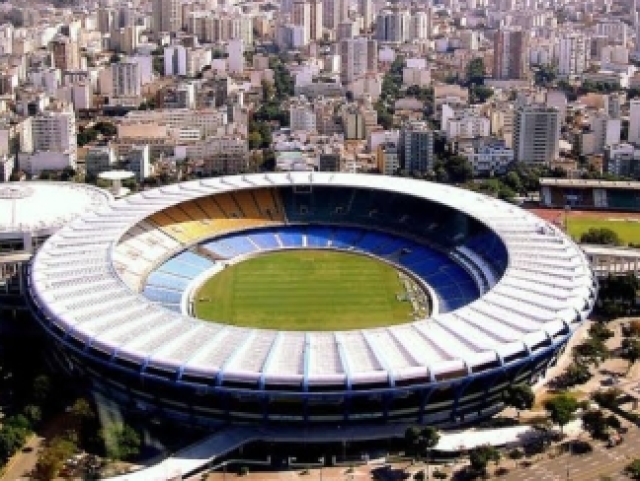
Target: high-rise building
(235,49)
(420,24)
(365,10)
(606,131)
(302,116)
(106,20)
(175,60)
(65,53)
(536,134)
(301,16)
(126,79)
(358,56)
(55,131)
(636,27)
(634,122)
(416,147)
(166,16)
(510,57)
(612,104)
(316,11)
(392,24)
(334,12)
(573,54)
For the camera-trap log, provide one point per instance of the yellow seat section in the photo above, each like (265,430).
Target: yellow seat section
(247,205)
(210,207)
(268,201)
(219,214)
(228,205)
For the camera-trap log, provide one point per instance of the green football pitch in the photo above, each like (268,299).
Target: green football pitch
(305,290)
(627,229)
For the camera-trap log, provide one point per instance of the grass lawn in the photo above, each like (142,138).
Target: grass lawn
(304,290)
(628,231)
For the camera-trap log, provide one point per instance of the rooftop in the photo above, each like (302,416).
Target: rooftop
(39,206)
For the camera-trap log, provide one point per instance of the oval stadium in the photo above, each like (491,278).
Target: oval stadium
(305,299)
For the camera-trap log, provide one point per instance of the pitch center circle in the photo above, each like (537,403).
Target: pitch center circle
(311,290)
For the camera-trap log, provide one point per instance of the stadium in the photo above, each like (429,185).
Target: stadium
(483,294)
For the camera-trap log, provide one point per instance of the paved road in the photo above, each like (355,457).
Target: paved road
(23,462)
(587,467)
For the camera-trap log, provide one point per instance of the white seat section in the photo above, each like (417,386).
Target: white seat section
(419,347)
(541,301)
(255,354)
(186,345)
(324,355)
(501,331)
(473,339)
(360,355)
(486,336)
(513,319)
(287,357)
(163,334)
(446,342)
(218,349)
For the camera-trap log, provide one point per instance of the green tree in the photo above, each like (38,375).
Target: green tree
(121,441)
(51,460)
(479,94)
(105,128)
(599,330)
(516,455)
(591,352)
(561,409)
(595,423)
(633,469)
(630,350)
(41,388)
(412,438)
(268,91)
(458,169)
(601,235)
(33,413)
(519,396)
(577,373)
(608,398)
(255,140)
(476,71)
(480,457)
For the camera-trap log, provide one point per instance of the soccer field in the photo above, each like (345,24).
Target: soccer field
(305,290)
(628,230)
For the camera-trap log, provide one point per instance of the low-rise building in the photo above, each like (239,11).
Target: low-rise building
(489,159)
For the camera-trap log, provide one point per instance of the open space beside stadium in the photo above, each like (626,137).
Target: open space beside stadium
(625,224)
(305,290)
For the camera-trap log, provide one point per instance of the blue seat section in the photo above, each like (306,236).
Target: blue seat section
(346,237)
(489,246)
(177,267)
(266,239)
(318,236)
(168,282)
(161,279)
(194,259)
(292,237)
(231,246)
(163,296)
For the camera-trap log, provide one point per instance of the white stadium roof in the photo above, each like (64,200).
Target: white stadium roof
(43,207)
(546,289)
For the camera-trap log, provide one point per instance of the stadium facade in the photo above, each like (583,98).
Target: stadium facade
(112,291)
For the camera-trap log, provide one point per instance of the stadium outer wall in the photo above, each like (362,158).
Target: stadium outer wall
(457,397)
